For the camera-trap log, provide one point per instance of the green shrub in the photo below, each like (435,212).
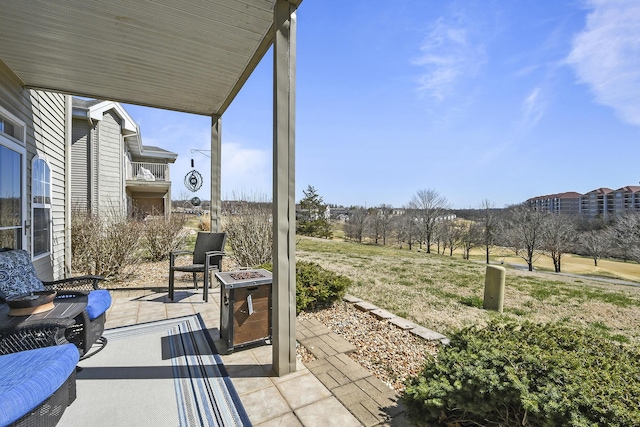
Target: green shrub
(315,228)
(528,375)
(315,286)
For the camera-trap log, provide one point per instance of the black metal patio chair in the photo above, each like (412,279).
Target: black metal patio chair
(207,257)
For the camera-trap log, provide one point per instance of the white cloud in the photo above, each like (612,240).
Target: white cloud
(447,56)
(533,108)
(606,56)
(245,170)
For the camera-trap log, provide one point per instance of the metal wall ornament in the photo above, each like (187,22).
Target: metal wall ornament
(195,201)
(193,180)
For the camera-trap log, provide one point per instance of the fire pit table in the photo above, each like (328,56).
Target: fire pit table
(245,307)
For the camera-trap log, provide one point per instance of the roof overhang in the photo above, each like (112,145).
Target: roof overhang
(96,112)
(190,56)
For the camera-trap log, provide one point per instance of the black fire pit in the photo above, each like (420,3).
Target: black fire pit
(245,307)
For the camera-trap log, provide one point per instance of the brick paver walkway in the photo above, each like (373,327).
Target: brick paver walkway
(371,401)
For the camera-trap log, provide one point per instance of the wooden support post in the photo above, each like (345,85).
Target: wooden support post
(216,162)
(284,205)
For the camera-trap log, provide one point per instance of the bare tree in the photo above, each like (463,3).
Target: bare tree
(407,228)
(595,244)
(355,226)
(525,233)
(385,219)
(624,235)
(470,237)
(440,236)
(429,206)
(558,237)
(372,225)
(451,235)
(490,226)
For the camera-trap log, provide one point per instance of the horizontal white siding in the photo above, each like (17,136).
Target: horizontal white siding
(110,165)
(80,164)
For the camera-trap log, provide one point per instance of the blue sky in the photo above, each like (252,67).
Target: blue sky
(497,100)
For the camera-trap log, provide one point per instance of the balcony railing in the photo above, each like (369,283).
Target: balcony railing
(142,171)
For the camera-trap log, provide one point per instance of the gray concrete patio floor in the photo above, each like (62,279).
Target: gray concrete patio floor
(333,390)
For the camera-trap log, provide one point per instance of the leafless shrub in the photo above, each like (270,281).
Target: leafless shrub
(107,246)
(161,235)
(248,224)
(205,222)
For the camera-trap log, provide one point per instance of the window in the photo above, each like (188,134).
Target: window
(10,197)
(12,181)
(8,127)
(41,206)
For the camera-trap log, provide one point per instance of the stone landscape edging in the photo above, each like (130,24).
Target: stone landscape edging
(382,315)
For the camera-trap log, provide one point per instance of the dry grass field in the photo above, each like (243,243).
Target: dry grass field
(629,271)
(444,293)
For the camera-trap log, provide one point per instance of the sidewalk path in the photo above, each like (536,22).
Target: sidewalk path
(370,400)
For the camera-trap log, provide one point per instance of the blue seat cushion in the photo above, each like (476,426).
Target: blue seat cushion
(98,302)
(31,377)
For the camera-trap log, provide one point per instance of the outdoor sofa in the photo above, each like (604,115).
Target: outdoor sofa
(18,277)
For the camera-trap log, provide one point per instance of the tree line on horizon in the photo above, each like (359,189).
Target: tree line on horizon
(426,222)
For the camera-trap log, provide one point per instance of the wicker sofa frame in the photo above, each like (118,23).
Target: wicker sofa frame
(31,336)
(85,332)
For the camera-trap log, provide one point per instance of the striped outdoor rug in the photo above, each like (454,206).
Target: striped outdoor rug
(164,373)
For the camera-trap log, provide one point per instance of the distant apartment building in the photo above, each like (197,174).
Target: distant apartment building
(599,203)
(627,199)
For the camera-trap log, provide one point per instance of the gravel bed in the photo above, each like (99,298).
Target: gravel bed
(388,352)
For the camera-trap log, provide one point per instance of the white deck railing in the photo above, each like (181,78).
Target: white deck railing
(143,171)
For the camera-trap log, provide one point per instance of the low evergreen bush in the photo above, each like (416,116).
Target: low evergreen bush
(528,374)
(315,286)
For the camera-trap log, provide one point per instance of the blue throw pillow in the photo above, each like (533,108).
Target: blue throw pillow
(17,274)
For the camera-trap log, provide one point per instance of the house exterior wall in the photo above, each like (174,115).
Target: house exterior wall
(152,205)
(44,114)
(97,170)
(80,165)
(110,165)
(110,161)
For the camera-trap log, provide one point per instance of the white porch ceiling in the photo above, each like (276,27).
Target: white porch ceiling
(188,55)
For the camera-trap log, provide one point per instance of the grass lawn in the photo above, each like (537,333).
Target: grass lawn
(444,293)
